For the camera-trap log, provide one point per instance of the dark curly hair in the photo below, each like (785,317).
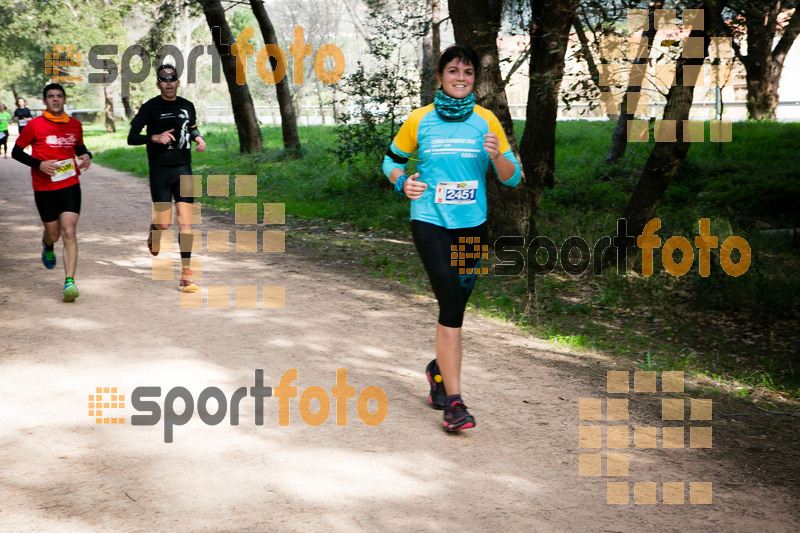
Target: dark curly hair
(464,54)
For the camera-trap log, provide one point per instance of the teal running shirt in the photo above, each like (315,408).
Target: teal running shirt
(452,161)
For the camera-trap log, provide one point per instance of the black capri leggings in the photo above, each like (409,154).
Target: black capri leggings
(441,252)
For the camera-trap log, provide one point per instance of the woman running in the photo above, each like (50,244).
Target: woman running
(455,141)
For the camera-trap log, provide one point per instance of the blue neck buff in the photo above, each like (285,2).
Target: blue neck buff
(453,109)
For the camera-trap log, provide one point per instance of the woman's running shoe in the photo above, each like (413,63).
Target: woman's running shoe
(456,417)
(437,397)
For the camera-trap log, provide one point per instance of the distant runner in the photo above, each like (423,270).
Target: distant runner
(5,117)
(171,124)
(56,140)
(22,115)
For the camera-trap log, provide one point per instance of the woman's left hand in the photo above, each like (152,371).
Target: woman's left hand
(492,145)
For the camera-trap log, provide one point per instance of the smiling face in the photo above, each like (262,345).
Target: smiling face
(457,78)
(54,101)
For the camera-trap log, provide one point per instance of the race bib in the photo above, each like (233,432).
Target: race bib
(23,121)
(65,169)
(456,192)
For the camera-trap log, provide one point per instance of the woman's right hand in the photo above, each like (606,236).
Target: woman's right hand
(414,188)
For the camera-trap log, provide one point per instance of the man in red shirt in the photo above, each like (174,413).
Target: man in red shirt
(57,158)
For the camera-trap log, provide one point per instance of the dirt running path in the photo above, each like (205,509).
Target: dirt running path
(516,471)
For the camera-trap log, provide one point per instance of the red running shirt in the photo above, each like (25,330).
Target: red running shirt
(52,141)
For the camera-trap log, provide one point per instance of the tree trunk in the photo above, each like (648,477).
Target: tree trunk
(476,24)
(550,23)
(335,105)
(126,105)
(244,113)
(109,106)
(320,102)
(430,55)
(126,101)
(762,92)
(185,25)
(619,139)
(291,140)
(763,64)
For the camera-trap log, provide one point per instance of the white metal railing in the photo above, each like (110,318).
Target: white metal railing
(787,111)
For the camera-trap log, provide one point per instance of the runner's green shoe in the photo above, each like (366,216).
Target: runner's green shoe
(70,290)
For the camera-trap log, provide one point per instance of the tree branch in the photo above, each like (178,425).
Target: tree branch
(790,33)
(518,63)
(576,23)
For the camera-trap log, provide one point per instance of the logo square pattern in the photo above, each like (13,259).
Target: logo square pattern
(594,437)
(640,72)
(219,241)
(106,398)
(469,248)
(55,64)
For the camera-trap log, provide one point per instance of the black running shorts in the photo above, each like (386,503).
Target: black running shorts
(52,203)
(165,183)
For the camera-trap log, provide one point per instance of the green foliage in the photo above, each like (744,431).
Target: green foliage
(650,363)
(370,118)
(361,147)
(374,96)
(22,50)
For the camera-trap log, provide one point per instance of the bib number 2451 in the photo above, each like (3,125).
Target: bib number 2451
(456,192)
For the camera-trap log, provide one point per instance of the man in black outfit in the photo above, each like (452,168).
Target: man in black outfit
(171,124)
